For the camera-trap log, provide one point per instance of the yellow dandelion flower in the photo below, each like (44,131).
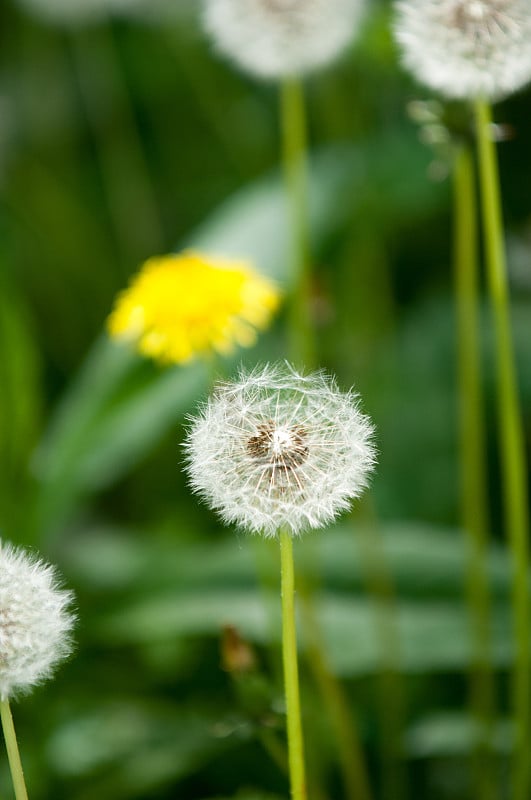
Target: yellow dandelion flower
(181,306)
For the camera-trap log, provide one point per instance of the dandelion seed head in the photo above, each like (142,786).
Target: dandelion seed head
(35,621)
(182,306)
(277,38)
(280,449)
(466,49)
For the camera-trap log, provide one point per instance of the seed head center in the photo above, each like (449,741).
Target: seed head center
(479,18)
(279,446)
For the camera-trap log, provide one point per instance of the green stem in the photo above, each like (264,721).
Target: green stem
(512,450)
(473,464)
(291,672)
(294,149)
(13,755)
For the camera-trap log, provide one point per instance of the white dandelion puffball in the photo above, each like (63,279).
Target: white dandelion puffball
(276,38)
(35,621)
(466,49)
(278,449)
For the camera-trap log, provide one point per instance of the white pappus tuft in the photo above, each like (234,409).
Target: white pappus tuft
(466,49)
(35,621)
(279,449)
(278,38)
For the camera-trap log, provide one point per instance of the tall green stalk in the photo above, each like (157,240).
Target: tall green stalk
(291,671)
(303,350)
(473,463)
(13,755)
(513,460)
(294,152)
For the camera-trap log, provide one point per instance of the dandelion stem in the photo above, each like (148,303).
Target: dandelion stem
(473,460)
(291,672)
(294,148)
(512,449)
(13,755)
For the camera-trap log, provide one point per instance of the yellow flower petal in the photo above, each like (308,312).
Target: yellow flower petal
(182,306)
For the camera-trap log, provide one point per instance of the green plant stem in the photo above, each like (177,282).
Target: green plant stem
(13,755)
(291,671)
(473,465)
(294,149)
(513,460)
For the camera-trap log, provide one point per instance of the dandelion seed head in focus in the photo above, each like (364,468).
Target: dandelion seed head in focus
(466,49)
(280,449)
(35,621)
(278,38)
(182,306)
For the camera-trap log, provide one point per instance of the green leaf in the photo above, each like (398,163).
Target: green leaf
(130,747)
(453,733)
(422,560)
(119,430)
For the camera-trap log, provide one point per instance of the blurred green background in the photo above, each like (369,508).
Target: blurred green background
(122,136)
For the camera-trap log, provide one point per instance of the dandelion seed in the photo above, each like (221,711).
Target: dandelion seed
(279,449)
(35,621)
(183,306)
(466,49)
(279,38)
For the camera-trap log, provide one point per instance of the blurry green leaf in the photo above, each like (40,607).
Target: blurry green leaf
(451,734)
(69,432)
(129,748)
(384,176)
(119,427)
(125,433)
(422,560)
(431,636)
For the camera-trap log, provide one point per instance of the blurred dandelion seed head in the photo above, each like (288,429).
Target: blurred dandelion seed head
(466,49)
(278,38)
(278,448)
(179,307)
(35,621)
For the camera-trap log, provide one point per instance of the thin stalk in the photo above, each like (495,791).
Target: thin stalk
(513,459)
(291,671)
(13,755)
(294,151)
(473,461)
